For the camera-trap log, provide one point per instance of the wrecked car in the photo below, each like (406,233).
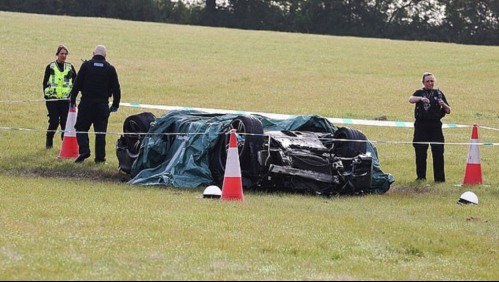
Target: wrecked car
(305,154)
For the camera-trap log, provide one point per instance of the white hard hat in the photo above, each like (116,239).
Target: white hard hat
(468,198)
(212,191)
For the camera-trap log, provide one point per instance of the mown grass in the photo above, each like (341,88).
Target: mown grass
(62,221)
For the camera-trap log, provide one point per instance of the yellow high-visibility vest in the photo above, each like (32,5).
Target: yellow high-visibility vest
(60,82)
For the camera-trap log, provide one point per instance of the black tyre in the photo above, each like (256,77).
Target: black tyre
(250,141)
(348,149)
(139,123)
(128,145)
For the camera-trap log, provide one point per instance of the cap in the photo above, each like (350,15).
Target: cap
(100,50)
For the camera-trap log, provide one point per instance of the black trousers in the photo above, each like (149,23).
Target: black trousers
(58,114)
(429,131)
(96,114)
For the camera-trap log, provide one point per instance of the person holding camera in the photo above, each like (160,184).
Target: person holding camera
(98,81)
(430,107)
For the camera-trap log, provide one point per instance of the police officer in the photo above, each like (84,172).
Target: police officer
(98,81)
(431,107)
(57,83)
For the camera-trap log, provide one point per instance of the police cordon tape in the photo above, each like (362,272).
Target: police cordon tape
(29,101)
(282,116)
(270,115)
(184,134)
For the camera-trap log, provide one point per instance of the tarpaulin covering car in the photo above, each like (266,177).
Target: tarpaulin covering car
(188,149)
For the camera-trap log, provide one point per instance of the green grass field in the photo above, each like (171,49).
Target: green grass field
(63,221)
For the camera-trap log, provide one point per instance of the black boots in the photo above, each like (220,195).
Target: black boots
(49,143)
(81,158)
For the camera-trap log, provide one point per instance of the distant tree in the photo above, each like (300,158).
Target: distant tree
(473,22)
(209,16)
(460,21)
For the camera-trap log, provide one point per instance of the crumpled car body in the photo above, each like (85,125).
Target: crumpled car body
(305,154)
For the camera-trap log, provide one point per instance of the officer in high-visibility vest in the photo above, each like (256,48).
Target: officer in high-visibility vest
(57,84)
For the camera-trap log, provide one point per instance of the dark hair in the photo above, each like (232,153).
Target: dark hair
(59,48)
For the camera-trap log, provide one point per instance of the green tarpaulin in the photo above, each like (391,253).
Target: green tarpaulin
(176,150)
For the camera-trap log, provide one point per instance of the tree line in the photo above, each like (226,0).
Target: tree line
(455,21)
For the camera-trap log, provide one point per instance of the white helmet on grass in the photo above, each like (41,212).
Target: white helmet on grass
(468,198)
(212,191)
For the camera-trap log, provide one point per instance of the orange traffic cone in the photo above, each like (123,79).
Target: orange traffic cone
(69,147)
(232,188)
(473,172)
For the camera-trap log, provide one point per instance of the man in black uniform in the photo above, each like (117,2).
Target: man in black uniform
(431,106)
(98,81)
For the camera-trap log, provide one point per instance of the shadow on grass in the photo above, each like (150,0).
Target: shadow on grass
(415,187)
(44,164)
(84,173)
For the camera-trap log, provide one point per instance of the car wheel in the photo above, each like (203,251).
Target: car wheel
(249,130)
(352,148)
(128,145)
(139,123)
